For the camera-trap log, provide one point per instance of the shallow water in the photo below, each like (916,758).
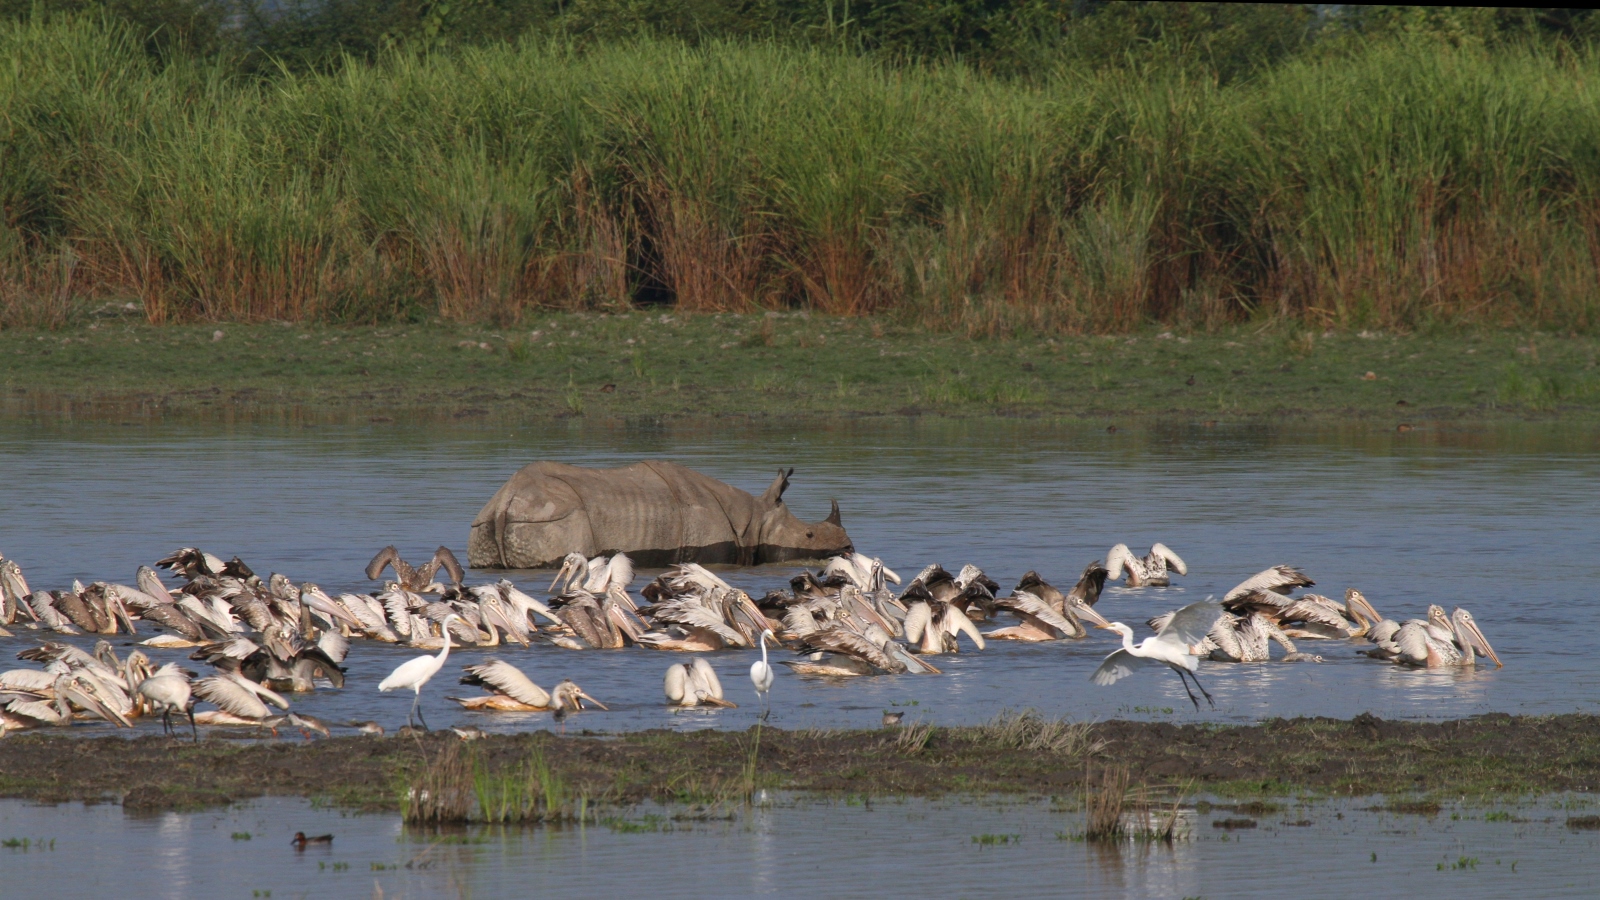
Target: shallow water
(1500,521)
(796,847)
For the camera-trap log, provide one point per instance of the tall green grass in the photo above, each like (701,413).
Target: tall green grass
(1406,182)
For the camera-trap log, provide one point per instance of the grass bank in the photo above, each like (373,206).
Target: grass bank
(1408,181)
(666,364)
(1494,756)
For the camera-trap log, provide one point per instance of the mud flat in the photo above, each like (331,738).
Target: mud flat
(1487,757)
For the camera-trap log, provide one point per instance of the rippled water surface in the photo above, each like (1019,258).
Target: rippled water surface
(791,847)
(1501,521)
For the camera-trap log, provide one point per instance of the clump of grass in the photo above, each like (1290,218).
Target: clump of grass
(914,738)
(458,787)
(1104,805)
(442,792)
(1027,730)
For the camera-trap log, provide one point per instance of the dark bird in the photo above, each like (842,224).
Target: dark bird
(301,841)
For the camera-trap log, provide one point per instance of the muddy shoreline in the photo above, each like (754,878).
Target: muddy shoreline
(1480,757)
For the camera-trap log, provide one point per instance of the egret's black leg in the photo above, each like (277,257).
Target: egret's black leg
(1203,690)
(192,728)
(418,707)
(1185,683)
(166,721)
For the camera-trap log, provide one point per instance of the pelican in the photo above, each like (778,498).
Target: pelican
(761,674)
(569,697)
(597,575)
(1442,642)
(694,683)
(239,701)
(866,573)
(1150,571)
(931,626)
(416,673)
(1170,647)
(512,691)
(167,690)
(420,578)
(1276,580)
(1046,613)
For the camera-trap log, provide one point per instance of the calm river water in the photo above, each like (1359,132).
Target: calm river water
(795,847)
(1501,520)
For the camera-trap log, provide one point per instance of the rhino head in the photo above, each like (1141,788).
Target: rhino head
(781,535)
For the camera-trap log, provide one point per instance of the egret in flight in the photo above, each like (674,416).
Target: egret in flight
(416,672)
(1172,646)
(761,674)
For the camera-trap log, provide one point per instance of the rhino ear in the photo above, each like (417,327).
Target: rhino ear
(833,517)
(774,494)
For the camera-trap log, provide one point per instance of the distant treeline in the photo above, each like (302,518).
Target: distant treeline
(991,167)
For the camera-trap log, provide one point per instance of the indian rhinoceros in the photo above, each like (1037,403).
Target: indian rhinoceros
(657,512)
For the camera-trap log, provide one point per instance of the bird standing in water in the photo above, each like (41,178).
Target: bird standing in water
(761,675)
(417,672)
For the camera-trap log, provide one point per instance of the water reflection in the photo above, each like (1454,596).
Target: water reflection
(797,847)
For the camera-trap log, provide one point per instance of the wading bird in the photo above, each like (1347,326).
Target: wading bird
(416,673)
(1170,647)
(761,675)
(168,690)
(1150,571)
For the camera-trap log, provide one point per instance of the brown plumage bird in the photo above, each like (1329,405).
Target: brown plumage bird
(416,578)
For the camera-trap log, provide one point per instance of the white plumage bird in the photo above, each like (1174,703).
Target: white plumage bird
(1172,646)
(761,675)
(417,672)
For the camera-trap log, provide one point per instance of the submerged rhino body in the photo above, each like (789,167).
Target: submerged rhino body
(659,513)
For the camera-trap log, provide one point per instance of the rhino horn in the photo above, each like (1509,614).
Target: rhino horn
(833,517)
(774,493)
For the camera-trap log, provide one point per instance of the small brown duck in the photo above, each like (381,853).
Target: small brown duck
(892,719)
(300,841)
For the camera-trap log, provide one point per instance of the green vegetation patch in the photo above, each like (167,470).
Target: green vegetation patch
(661,363)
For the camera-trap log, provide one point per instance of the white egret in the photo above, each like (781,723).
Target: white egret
(417,672)
(761,674)
(1172,646)
(1150,571)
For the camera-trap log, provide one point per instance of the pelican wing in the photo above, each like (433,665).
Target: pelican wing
(230,697)
(385,558)
(705,678)
(1278,580)
(956,622)
(1190,624)
(1118,559)
(699,617)
(1174,561)
(837,640)
(504,678)
(696,576)
(1314,609)
(919,616)
(1120,665)
(676,685)
(443,557)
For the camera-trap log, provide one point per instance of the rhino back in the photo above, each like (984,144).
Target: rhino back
(657,512)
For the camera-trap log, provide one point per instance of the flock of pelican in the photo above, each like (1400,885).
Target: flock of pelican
(263,639)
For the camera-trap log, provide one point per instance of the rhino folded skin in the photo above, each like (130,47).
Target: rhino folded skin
(657,512)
